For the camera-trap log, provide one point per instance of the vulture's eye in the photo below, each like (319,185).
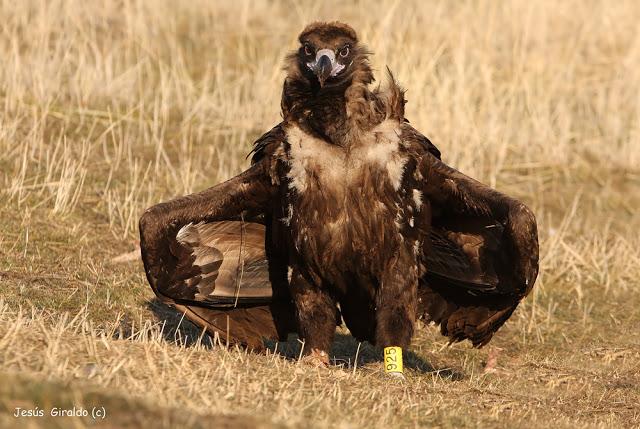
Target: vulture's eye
(344,51)
(308,50)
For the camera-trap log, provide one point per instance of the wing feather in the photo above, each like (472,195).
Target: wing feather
(230,261)
(455,258)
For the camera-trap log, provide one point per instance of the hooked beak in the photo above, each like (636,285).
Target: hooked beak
(325,65)
(323,69)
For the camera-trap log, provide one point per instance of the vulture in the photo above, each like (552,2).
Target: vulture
(347,215)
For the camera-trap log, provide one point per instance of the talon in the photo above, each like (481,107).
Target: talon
(316,357)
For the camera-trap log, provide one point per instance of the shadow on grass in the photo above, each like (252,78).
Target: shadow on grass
(344,351)
(345,348)
(177,328)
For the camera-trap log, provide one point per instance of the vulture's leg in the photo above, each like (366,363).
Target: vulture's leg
(316,314)
(396,303)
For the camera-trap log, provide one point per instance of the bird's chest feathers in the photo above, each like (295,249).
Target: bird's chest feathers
(371,162)
(344,201)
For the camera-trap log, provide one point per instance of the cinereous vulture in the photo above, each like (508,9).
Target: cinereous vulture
(346,214)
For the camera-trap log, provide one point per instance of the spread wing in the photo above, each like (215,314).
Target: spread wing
(481,255)
(205,254)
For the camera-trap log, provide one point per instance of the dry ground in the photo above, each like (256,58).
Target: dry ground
(109,106)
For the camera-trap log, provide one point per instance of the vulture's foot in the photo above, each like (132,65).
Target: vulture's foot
(396,376)
(318,358)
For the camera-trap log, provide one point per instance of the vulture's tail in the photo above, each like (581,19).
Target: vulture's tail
(248,326)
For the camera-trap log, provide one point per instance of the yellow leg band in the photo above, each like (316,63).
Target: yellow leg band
(393,359)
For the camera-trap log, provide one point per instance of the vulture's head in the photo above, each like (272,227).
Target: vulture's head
(329,54)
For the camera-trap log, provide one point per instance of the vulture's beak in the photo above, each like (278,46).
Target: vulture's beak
(325,65)
(323,69)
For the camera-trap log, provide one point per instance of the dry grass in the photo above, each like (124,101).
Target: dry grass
(107,107)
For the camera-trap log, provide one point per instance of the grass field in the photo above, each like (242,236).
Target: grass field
(107,107)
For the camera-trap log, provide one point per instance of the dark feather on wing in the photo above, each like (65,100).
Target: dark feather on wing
(274,135)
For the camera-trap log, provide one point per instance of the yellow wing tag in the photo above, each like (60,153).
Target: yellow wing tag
(393,359)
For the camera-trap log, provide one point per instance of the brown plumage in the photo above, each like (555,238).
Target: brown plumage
(345,205)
